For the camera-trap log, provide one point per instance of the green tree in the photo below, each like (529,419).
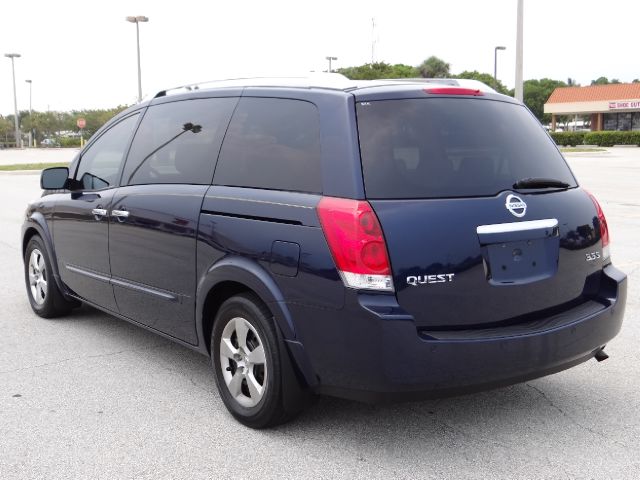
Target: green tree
(372,71)
(434,67)
(53,124)
(604,81)
(400,70)
(6,130)
(46,124)
(536,94)
(600,81)
(94,119)
(485,78)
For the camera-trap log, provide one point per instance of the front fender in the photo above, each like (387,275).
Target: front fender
(35,222)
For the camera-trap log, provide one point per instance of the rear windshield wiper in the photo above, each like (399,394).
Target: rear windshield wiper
(540,183)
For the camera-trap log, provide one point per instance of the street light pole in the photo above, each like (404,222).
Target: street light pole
(495,61)
(331,58)
(15,98)
(30,115)
(138,20)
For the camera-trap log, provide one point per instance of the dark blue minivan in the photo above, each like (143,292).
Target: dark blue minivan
(373,240)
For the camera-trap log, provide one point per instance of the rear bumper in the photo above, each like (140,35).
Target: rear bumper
(371,351)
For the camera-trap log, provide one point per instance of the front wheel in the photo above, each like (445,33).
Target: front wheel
(246,359)
(44,296)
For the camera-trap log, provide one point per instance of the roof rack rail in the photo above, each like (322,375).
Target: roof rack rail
(454,82)
(319,80)
(443,81)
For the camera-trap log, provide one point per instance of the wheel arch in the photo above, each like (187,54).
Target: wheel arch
(233,275)
(37,225)
(214,299)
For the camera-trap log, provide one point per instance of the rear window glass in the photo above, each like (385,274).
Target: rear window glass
(452,147)
(274,144)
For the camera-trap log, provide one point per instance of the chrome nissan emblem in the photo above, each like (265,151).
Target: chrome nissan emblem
(516,206)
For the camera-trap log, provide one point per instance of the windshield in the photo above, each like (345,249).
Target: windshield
(452,147)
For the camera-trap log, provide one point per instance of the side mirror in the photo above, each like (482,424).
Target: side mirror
(54,178)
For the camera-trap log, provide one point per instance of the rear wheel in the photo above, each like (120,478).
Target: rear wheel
(44,296)
(246,357)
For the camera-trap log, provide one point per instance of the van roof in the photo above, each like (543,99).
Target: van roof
(331,81)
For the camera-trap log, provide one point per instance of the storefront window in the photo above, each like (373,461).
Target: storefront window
(636,121)
(610,121)
(624,121)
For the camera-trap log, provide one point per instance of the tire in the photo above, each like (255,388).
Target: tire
(249,372)
(44,296)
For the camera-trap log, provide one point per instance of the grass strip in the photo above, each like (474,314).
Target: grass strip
(581,150)
(31,166)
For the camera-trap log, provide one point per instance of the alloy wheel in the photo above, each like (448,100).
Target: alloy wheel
(37,276)
(243,362)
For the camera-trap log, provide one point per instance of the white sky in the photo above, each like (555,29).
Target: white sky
(81,54)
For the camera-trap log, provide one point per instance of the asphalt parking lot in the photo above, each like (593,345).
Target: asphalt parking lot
(90,396)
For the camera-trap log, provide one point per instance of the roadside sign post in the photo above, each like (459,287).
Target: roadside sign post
(81,123)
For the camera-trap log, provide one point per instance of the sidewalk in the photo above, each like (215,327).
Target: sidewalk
(12,156)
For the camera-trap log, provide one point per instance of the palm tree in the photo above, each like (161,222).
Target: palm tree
(434,67)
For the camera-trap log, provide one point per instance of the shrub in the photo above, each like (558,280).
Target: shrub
(69,141)
(611,138)
(568,138)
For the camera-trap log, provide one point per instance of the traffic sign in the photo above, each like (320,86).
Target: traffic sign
(81,123)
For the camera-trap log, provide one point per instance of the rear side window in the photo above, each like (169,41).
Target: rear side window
(452,147)
(274,144)
(178,142)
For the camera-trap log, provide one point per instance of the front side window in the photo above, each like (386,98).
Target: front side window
(178,142)
(100,163)
(274,144)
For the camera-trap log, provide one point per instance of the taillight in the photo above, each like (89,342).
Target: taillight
(355,239)
(604,228)
(454,91)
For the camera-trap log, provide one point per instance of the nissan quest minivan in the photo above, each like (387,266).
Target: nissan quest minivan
(371,240)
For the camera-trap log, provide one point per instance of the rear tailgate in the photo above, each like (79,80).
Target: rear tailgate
(466,247)
(447,274)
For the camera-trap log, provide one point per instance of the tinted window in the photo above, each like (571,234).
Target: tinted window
(610,121)
(451,147)
(274,144)
(178,142)
(101,162)
(624,121)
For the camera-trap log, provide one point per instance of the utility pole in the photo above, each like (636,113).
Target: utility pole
(31,137)
(15,99)
(373,40)
(495,61)
(519,90)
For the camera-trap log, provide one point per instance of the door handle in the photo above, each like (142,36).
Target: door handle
(98,213)
(120,214)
